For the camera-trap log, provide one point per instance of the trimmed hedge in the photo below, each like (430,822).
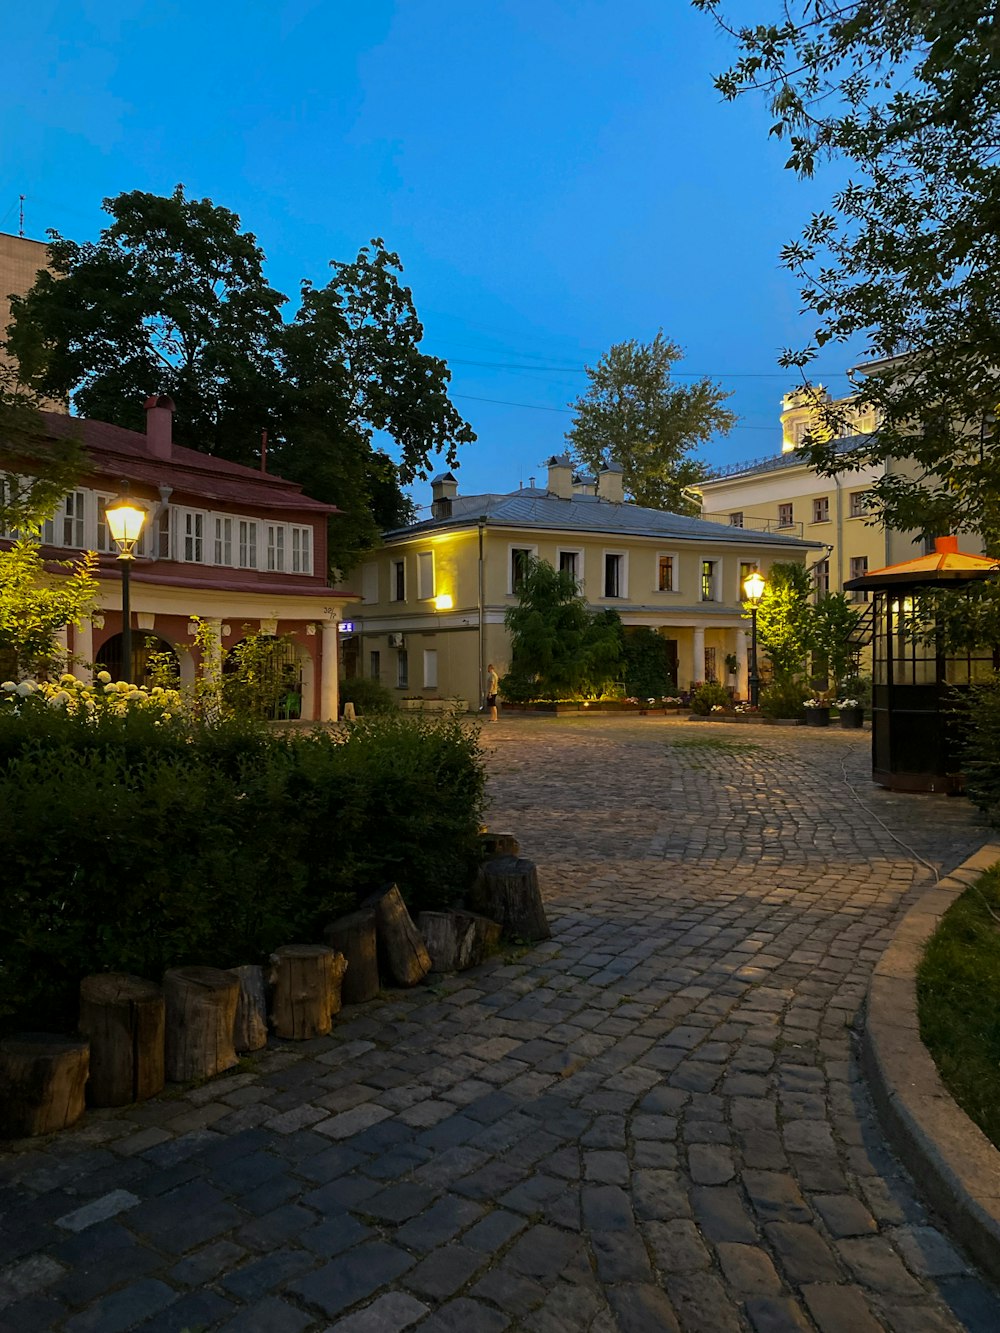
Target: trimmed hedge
(136,848)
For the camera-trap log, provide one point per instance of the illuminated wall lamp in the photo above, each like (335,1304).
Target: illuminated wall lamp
(443,601)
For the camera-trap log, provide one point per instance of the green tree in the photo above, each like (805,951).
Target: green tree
(173,298)
(633,415)
(834,619)
(784,619)
(559,648)
(35,605)
(38,471)
(907,93)
(647,669)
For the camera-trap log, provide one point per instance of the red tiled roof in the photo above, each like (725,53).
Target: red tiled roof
(115,451)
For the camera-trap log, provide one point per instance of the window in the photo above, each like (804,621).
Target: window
(301,550)
(520,557)
(275,547)
(736,520)
(570,562)
(194,532)
(223,540)
(248,544)
(665,573)
(784,516)
(821,577)
(821,509)
(425,575)
(747,567)
(859,504)
(65,528)
(397,581)
(859,567)
(402,669)
(708,573)
(614,575)
(430,668)
(375,664)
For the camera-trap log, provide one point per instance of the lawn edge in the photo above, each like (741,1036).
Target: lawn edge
(954,1165)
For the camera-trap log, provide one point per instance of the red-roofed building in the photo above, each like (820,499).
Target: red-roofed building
(237,548)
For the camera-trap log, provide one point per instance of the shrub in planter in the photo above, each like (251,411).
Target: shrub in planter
(368,696)
(785,697)
(708,696)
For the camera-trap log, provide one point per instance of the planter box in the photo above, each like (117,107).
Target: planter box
(852,719)
(817,717)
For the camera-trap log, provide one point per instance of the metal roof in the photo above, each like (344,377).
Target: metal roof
(534,508)
(790,458)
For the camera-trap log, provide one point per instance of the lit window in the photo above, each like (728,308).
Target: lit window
(665,573)
(708,568)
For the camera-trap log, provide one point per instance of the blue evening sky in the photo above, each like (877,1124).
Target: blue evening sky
(556,175)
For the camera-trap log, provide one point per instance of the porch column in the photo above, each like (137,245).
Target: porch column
(698,635)
(62,647)
(83,645)
(329,666)
(742,665)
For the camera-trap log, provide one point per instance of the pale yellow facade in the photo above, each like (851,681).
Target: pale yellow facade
(434,597)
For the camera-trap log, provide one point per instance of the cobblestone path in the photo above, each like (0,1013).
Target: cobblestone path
(653,1121)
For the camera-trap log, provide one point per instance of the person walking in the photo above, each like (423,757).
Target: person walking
(492,686)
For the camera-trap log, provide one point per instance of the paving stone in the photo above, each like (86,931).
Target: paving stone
(775,1314)
(391,1313)
(928,1252)
(748,1269)
(513,1293)
(193,1310)
(464,1315)
(642,1309)
(838,1309)
(98,1210)
(442,1273)
(701,1302)
(676,1246)
(878,1266)
(261,1275)
(710,1165)
(720,1214)
(803,1253)
(353,1276)
(621,1256)
(494,1231)
(269,1316)
(206,1264)
(439,1223)
(123,1309)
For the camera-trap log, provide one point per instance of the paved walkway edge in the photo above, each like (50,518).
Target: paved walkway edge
(952,1162)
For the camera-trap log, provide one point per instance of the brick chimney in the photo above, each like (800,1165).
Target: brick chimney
(561,476)
(443,490)
(160,425)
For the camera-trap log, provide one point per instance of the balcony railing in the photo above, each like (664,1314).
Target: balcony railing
(758,524)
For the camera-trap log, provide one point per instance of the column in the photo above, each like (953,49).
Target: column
(61,646)
(742,665)
(698,634)
(329,701)
(83,647)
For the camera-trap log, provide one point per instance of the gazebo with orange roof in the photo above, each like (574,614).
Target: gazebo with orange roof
(913,730)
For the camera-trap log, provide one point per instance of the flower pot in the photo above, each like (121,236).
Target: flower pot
(852,719)
(817,717)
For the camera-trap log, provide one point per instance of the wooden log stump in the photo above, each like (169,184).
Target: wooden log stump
(250,1027)
(305,980)
(124,1018)
(42,1079)
(458,940)
(401,945)
(498,844)
(200,1015)
(506,889)
(354,937)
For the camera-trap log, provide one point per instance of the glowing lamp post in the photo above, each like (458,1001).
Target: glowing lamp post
(125,519)
(753,588)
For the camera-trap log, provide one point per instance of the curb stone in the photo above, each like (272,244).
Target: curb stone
(953,1164)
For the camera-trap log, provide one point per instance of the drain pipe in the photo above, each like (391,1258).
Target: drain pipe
(482,641)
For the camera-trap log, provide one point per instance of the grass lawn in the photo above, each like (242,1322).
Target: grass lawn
(958,995)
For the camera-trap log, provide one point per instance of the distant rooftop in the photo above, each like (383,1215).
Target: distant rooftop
(771,463)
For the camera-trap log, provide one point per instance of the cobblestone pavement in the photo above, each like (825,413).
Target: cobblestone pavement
(653,1121)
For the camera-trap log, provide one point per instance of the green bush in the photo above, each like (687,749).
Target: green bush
(784,696)
(136,850)
(648,672)
(708,696)
(367,696)
(976,720)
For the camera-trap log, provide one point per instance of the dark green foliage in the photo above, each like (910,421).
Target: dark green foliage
(367,696)
(978,716)
(559,648)
(648,673)
(785,618)
(833,620)
(632,414)
(784,696)
(708,696)
(134,847)
(957,987)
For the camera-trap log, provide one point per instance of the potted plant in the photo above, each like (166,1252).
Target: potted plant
(852,714)
(817,712)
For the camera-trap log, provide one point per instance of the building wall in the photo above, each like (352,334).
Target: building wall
(20,261)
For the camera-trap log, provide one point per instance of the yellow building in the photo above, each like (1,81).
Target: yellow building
(20,262)
(434,596)
(784,494)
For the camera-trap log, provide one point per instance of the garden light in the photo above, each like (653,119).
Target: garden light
(753,587)
(125,519)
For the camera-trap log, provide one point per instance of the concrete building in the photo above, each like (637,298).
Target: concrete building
(434,597)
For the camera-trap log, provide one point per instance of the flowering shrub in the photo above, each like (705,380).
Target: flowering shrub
(848,703)
(815,703)
(85,699)
(709,698)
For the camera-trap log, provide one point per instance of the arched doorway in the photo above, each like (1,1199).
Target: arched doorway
(144,648)
(266,678)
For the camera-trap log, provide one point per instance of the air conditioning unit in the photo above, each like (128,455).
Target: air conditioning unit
(397,641)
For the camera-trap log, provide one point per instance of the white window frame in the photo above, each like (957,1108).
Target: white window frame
(788,522)
(275,548)
(192,536)
(301,539)
(248,543)
(425,576)
(674,557)
(222,540)
(818,502)
(622,592)
(577,552)
(430,668)
(857,507)
(512,547)
(394,563)
(716,563)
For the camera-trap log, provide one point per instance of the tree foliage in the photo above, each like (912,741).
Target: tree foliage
(38,471)
(784,619)
(172,298)
(633,415)
(908,257)
(834,618)
(559,648)
(35,605)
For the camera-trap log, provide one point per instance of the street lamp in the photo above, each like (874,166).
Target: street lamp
(125,518)
(753,588)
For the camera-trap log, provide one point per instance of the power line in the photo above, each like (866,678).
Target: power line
(540,407)
(675,374)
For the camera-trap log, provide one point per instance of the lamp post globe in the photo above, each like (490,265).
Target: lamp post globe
(125,518)
(753,589)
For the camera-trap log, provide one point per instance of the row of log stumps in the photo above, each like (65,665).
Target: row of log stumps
(136,1035)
